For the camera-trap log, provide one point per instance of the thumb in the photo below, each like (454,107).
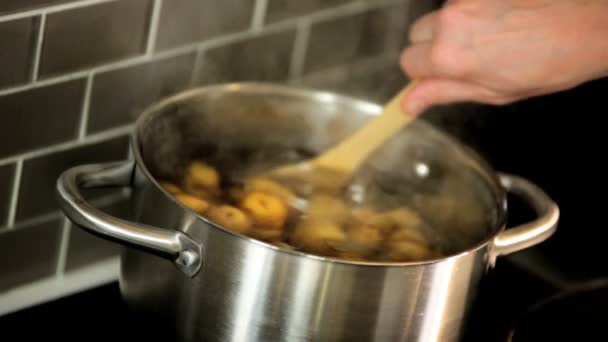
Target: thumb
(436,91)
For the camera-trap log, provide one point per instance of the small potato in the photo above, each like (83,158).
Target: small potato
(362,240)
(260,184)
(265,234)
(194,203)
(171,188)
(268,211)
(404,217)
(202,180)
(387,221)
(363,215)
(322,206)
(411,234)
(371,218)
(318,236)
(230,217)
(407,251)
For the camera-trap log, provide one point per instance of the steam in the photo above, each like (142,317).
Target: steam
(246,134)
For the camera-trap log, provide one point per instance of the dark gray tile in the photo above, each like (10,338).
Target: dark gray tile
(40,117)
(7,6)
(347,39)
(17,39)
(283,9)
(85,248)
(377,82)
(29,253)
(92,35)
(6,185)
(187,21)
(37,189)
(119,96)
(263,58)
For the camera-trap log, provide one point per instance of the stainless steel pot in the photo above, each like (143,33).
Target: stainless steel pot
(216,285)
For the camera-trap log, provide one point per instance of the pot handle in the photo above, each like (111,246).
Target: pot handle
(171,244)
(529,234)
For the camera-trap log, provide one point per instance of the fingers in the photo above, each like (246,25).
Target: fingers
(416,62)
(423,29)
(431,92)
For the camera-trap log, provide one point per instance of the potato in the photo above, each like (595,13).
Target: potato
(260,184)
(194,203)
(171,188)
(265,234)
(202,180)
(405,233)
(322,206)
(230,217)
(371,218)
(407,250)
(362,215)
(268,211)
(404,217)
(318,236)
(362,240)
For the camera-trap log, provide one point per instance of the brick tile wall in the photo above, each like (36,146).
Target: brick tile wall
(75,74)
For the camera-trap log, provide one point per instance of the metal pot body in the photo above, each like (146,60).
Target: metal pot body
(247,291)
(216,285)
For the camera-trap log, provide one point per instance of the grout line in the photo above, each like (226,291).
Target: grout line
(198,46)
(52,9)
(63,247)
(86,103)
(37,220)
(53,215)
(196,69)
(12,211)
(259,15)
(102,68)
(38,48)
(210,43)
(91,139)
(129,152)
(300,46)
(47,289)
(154,22)
(343,10)
(338,11)
(45,82)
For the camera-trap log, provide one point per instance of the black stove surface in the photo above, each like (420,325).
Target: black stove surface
(577,315)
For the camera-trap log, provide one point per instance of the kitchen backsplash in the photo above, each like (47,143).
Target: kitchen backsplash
(75,74)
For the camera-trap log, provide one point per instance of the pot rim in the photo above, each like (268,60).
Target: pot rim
(323,96)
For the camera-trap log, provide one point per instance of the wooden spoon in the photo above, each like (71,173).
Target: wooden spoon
(333,169)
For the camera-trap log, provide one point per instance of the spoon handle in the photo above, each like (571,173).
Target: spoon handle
(351,152)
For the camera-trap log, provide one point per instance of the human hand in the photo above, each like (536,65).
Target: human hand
(501,51)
